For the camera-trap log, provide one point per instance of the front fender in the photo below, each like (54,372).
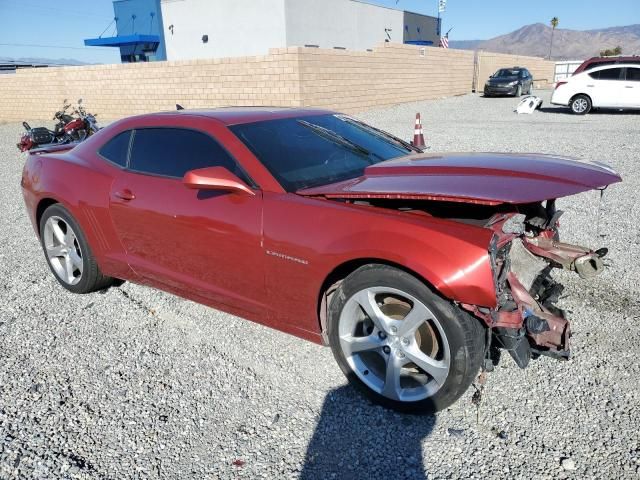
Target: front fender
(455,263)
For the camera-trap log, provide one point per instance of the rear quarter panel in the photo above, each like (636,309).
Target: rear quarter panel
(83,189)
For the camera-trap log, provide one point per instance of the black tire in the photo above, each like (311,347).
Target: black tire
(91,278)
(530,92)
(465,336)
(580,104)
(519,91)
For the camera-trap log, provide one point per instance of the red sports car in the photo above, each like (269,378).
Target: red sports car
(417,269)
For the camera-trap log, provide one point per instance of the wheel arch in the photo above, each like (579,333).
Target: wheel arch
(333,280)
(583,95)
(42,205)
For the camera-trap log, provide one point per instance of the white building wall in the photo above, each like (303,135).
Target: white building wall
(235,27)
(340,23)
(251,27)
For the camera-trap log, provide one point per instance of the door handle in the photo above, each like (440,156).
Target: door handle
(125,194)
(628,86)
(590,85)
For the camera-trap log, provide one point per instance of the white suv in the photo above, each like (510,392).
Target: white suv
(611,86)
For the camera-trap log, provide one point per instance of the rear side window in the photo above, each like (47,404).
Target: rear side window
(172,152)
(116,150)
(633,74)
(608,74)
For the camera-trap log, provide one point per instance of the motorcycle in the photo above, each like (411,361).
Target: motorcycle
(68,129)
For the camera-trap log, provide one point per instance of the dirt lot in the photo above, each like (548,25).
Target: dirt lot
(136,383)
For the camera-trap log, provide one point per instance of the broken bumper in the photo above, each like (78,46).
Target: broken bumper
(527,323)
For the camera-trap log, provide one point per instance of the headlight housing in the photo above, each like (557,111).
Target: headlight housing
(514,83)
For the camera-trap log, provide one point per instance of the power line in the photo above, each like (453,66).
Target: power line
(42,46)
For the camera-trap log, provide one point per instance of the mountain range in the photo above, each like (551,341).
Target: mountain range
(534,40)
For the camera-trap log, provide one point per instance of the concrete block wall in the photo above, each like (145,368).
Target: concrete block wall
(393,73)
(114,91)
(349,81)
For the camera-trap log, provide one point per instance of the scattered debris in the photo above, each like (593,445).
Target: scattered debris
(528,104)
(568,464)
(455,432)
(238,463)
(476,399)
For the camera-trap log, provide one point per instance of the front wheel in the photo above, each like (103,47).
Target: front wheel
(399,343)
(519,91)
(580,104)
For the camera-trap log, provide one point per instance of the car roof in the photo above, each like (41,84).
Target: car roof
(612,65)
(240,115)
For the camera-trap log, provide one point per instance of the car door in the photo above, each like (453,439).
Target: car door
(632,87)
(195,242)
(526,82)
(606,87)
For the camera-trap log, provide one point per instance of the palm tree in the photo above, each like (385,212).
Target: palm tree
(554,24)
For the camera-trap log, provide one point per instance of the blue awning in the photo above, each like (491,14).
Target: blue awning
(419,42)
(121,41)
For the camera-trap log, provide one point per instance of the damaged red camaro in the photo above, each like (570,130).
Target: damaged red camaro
(417,269)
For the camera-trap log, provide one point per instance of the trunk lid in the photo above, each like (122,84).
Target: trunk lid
(483,178)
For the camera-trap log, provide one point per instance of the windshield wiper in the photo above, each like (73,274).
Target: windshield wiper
(337,139)
(386,135)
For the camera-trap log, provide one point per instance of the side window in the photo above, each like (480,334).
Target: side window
(172,152)
(633,74)
(611,74)
(595,75)
(116,150)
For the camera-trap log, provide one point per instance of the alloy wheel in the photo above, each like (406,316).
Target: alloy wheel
(63,250)
(580,105)
(394,344)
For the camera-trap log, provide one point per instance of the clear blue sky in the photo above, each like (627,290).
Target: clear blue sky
(53,24)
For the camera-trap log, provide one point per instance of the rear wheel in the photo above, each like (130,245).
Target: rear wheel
(399,343)
(580,104)
(68,253)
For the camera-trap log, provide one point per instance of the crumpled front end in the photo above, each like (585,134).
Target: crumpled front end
(524,252)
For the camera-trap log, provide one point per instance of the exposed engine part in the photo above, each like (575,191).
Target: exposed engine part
(515,342)
(588,266)
(515,224)
(583,261)
(549,331)
(526,266)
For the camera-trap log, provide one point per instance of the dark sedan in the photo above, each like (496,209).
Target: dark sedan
(509,81)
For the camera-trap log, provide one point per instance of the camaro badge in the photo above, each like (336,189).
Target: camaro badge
(287,257)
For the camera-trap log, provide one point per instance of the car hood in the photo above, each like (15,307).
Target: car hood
(483,178)
(502,79)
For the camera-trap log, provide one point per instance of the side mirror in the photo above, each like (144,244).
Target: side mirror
(215,178)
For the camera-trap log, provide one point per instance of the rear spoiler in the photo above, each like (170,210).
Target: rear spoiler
(53,148)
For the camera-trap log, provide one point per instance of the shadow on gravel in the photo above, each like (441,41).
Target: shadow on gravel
(599,111)
(357,440)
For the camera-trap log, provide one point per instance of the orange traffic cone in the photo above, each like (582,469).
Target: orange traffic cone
(418,135)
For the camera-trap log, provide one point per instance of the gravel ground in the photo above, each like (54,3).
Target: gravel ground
(136,383)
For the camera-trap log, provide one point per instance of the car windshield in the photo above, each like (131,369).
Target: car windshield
(507,72)
(309,151)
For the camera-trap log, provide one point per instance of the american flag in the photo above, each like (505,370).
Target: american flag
(444,41)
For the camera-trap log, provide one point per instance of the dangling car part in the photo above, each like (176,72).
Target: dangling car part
(528,104)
